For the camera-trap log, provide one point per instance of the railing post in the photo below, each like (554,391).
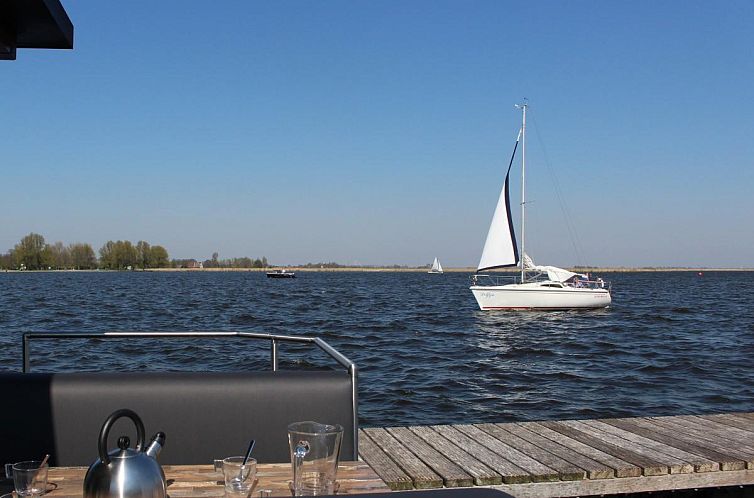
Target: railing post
(26,354)
(274,354)
(354,372)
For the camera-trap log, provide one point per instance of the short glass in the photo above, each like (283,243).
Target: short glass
(29,478)
(239,478)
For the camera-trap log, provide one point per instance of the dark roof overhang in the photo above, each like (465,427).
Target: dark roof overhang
(33,24)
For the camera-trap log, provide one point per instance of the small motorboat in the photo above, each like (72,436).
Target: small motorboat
(281,274)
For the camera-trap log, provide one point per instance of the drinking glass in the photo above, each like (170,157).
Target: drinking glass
(30,478)
(315,452)
(239,478)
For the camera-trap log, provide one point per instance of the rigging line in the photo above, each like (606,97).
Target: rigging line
(570,228)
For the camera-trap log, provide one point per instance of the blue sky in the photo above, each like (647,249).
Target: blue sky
(379,132)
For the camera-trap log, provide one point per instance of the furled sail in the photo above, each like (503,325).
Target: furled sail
(553,272)
(500,249)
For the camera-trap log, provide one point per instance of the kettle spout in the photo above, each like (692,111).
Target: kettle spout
(155,446)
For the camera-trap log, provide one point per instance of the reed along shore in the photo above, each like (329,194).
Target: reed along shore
(445,270)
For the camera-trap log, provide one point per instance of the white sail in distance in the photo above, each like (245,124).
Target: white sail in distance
(500,248)
(436,267)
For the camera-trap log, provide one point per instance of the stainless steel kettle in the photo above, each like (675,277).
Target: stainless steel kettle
(126,472)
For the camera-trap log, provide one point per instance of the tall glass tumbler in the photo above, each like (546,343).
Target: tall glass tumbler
(315,453)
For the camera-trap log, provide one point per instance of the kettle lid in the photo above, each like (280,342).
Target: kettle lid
(123,450)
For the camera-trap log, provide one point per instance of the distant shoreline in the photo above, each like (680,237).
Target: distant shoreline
(447,270)
(389,270)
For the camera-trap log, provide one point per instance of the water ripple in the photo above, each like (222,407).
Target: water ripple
(673,343)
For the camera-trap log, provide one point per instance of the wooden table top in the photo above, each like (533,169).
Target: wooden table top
(201,481)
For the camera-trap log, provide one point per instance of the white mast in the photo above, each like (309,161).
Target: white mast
(523,188)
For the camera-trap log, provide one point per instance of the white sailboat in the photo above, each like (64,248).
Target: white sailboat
(538,287)
(436,267)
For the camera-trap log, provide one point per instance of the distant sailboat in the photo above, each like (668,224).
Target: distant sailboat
(436,267)
(543,287)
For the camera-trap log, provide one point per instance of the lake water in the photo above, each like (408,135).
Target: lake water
(673,343)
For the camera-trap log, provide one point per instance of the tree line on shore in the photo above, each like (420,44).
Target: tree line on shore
(215,262)
(34,253)
(334,265)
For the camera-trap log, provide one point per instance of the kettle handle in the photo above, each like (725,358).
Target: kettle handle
(105,431)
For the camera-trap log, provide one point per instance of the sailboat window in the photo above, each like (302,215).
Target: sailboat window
(553,285)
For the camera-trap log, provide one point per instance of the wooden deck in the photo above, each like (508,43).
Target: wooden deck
(568,458)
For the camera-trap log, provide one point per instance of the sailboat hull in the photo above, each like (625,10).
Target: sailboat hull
(535,296)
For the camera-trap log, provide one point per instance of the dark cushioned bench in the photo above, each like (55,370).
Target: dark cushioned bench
(204,415)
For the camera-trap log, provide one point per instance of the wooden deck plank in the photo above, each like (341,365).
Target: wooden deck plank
(509,472)
(667,482)
(538,472)
(452,475)
(645,428)
(713,430)
(621,468)
(649,467)
(566,470)
(705,438)
(483,475)
(656,461)
(728,460)
(681,462)
(593,468)
(602,456)
(421,476)
(735,435)
(733,420)
(383,464)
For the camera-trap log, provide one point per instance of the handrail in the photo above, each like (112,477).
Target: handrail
(494,279)
(498,280)
(274,339)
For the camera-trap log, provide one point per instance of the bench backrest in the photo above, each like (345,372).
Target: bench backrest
(204,415)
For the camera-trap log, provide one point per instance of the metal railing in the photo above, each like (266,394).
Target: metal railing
(483,279)
(274,339)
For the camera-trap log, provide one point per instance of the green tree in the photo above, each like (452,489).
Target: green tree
(212,263)
(118,255)
(144,254)
(107,256)
(30,252)
(82,256)
(59,256)
(158,257)
(126,254)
